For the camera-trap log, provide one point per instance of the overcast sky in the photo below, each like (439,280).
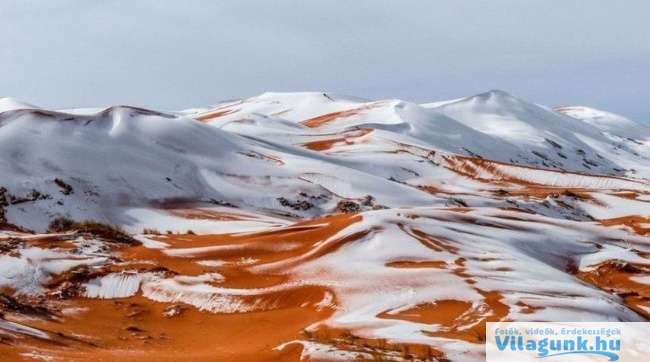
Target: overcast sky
(71,53)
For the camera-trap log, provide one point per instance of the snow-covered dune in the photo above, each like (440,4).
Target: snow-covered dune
(313,226)
(97,166)
(607,121)
(493,125)
(10,104)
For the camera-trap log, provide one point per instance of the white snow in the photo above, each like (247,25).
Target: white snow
(609,206)
(27,271)
(12,104)
(607,121)
(116,285)
(248,169)
(22,329)
(642,280)
(611,253)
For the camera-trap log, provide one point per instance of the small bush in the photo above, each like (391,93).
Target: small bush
(66,189)
(110,232)
(297,205)
(190,232)
(151,231)
(60,224)
(104,231)
(347,206)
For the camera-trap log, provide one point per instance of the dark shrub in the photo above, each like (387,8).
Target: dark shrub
(347,206)
(60,224)
(104,231)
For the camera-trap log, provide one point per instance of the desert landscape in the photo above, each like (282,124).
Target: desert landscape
(311,226)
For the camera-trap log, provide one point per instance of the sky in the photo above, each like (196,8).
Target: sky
(175,55)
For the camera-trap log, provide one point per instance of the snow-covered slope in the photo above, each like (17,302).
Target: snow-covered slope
(296,154)
(296,106)
(542,137)
(607,122)
(629,141)
(493,125)
(127,157)
(119,157)
(10,104)
(312,226)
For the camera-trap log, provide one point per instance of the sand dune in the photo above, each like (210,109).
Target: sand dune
(315,227)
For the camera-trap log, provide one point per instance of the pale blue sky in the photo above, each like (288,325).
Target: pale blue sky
(191,53)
